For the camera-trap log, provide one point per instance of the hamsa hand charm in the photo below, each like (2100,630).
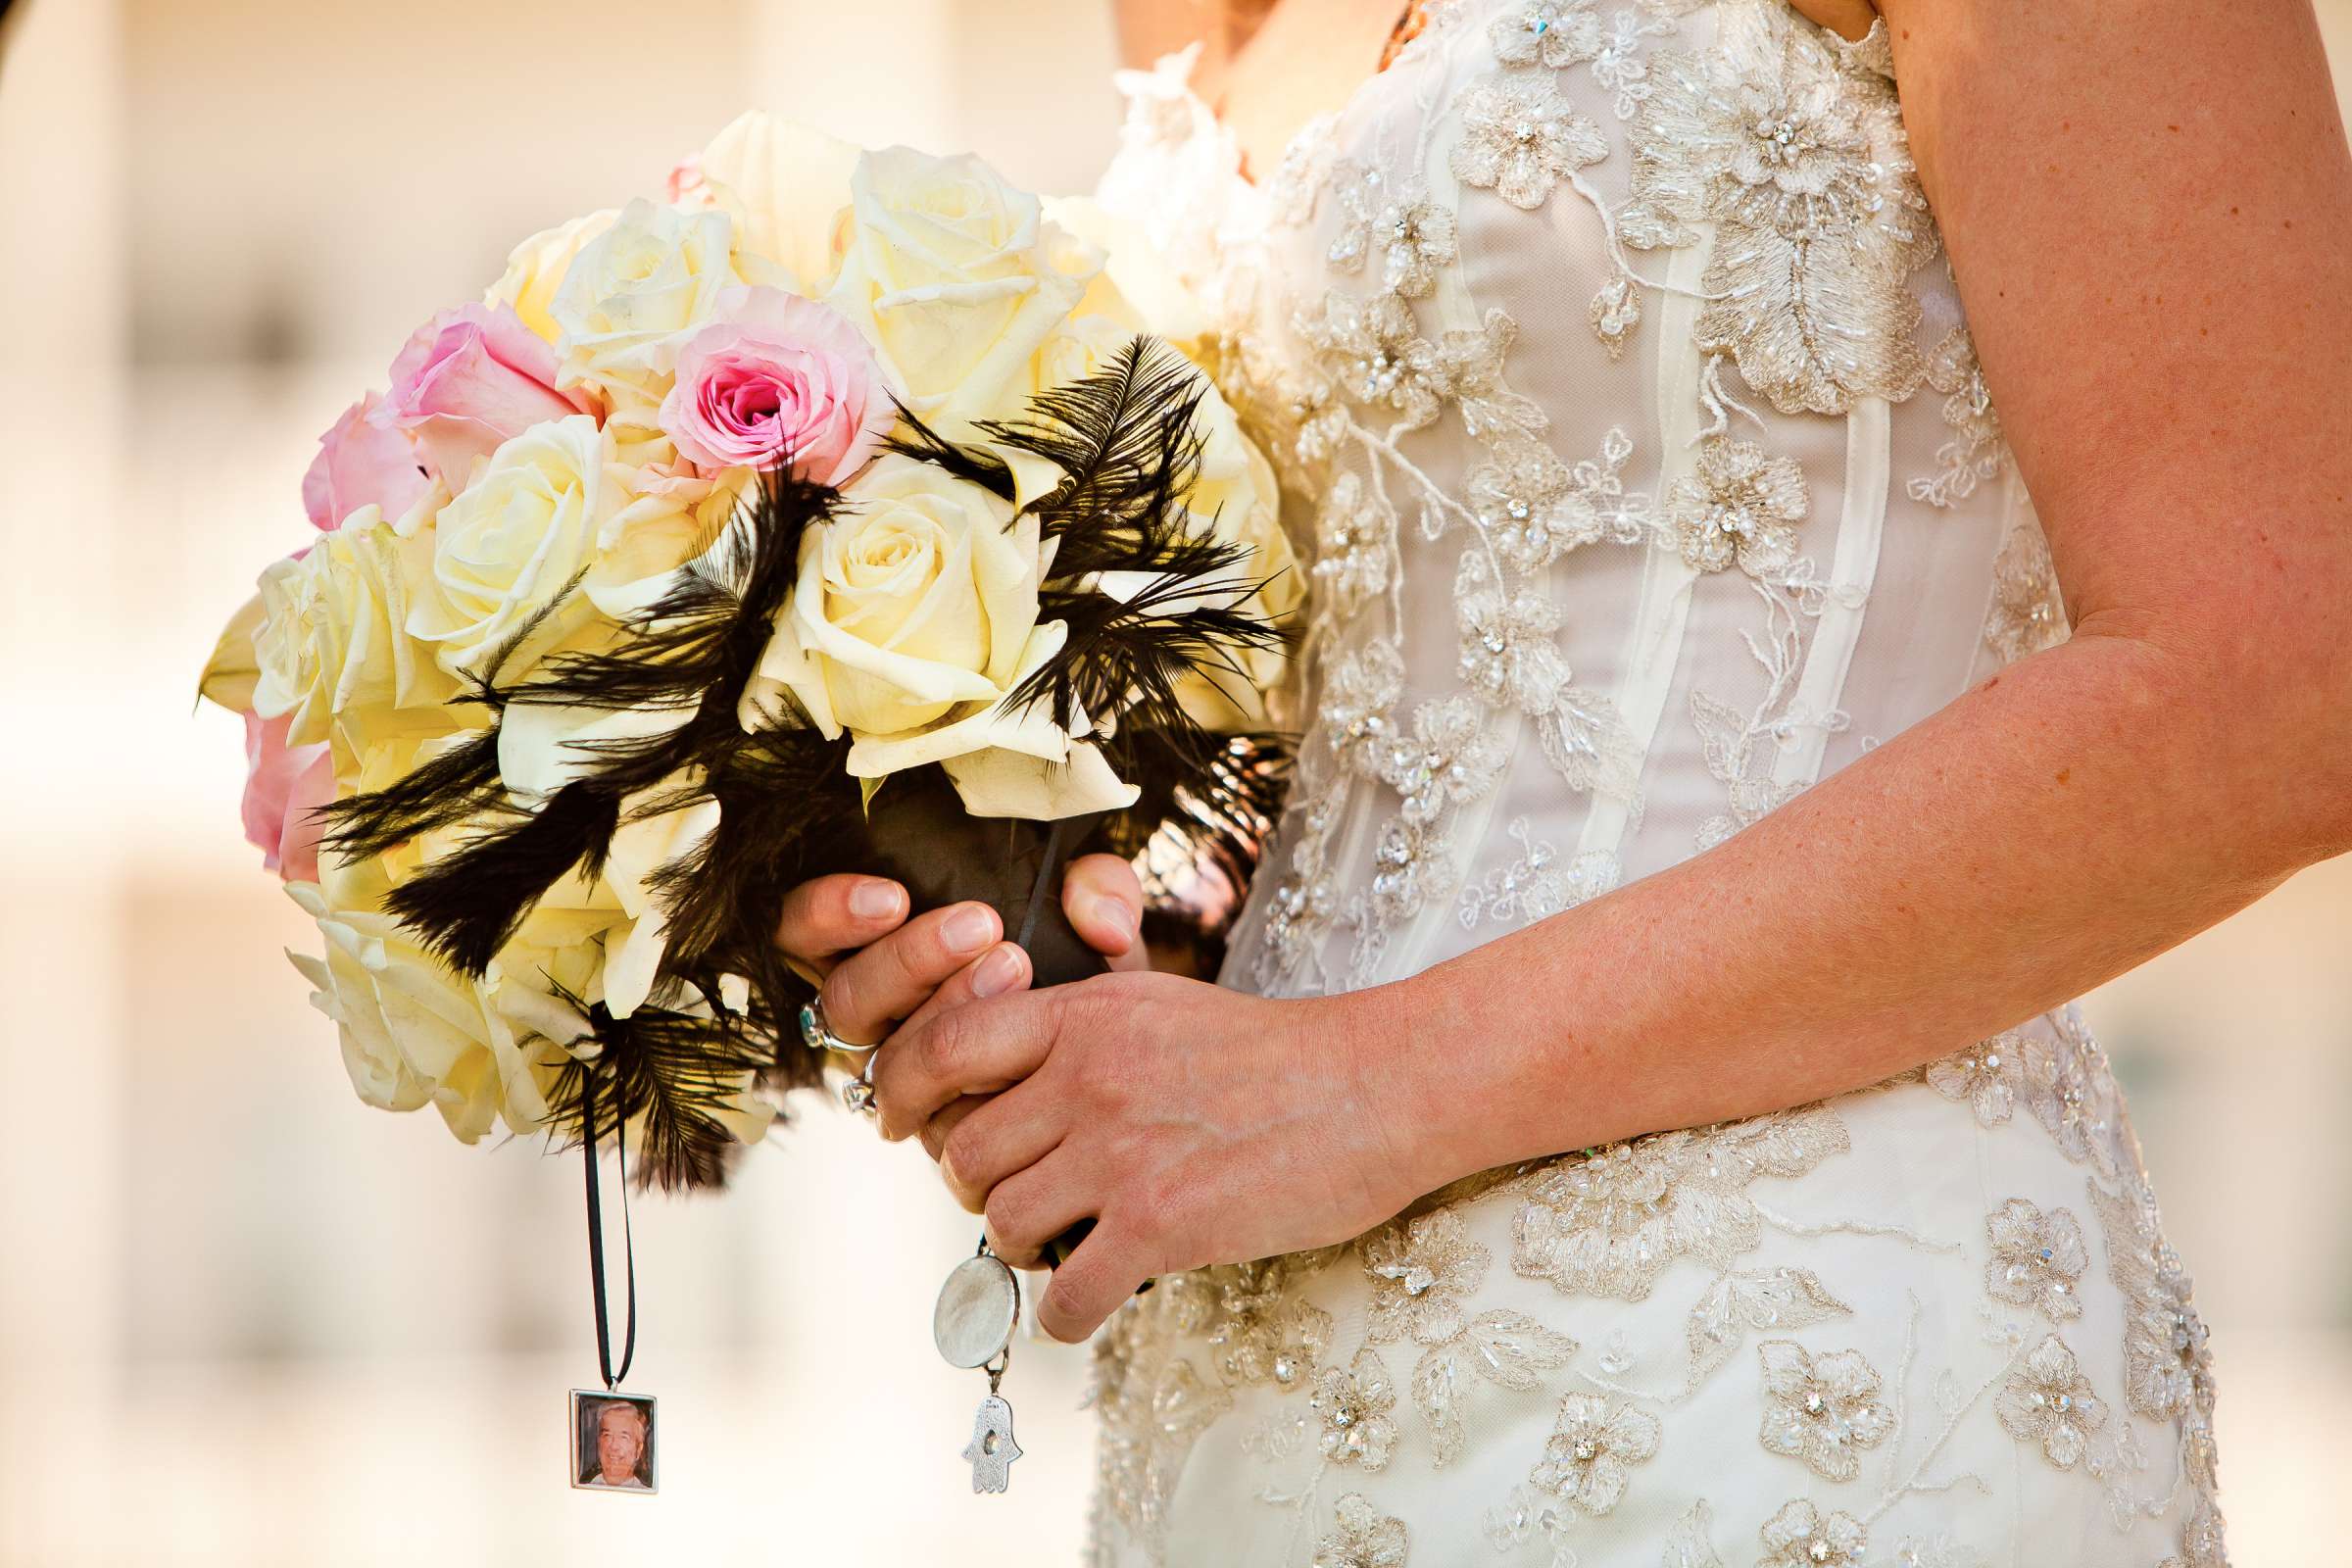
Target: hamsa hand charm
(992,1450)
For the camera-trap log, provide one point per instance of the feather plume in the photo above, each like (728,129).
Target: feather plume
(670,1073)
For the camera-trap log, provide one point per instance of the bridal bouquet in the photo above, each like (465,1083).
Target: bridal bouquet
(842,511)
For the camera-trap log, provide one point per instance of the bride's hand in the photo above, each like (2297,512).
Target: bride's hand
(878,966)
(1196,1125)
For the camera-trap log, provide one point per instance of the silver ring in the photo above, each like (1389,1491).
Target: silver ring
(859,1093)
(817,1035)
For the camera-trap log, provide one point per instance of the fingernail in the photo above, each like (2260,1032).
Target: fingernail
(876,900)
(998,973)
(1116,914)
(969,929)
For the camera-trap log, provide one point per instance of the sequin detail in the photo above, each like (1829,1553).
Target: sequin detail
(1800,163)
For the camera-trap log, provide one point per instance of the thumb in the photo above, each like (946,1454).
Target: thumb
(1104,904)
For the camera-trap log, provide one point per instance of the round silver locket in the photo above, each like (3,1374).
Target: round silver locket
(978,1308)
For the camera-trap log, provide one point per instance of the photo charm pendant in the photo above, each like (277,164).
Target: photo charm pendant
(612,1442)
(979,1307)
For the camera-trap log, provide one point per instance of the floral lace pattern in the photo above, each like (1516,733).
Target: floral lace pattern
(1797,157)
(2049,1401)
(1592,1448)
(1976,453)
(1821,1409)
(2036,1258)
(1562,572)
(1608,1223)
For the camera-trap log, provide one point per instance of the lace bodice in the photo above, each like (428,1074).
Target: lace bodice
(1633,434)
(1635,445)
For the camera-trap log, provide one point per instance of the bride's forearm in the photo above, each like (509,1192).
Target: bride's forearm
(2051,828)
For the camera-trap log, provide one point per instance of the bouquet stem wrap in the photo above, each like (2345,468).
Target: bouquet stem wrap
(926,839)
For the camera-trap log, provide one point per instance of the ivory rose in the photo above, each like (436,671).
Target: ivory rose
(958,280)
(777,377)
(413,1033)
(639,555)
(1237,501)
(535,270)
(631,291)
(468,379)
(509,544)
(912,618)
(786,186)
(919,595)
(361,463)
(333,640)
(482,1051)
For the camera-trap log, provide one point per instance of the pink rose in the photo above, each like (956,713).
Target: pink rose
(468,380)
(361,463)
(775,378)
(284,786)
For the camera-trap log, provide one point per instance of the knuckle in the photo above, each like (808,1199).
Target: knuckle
(907,954)
(961,1156)
(1009,1221)
(840,998)
(1150,1210)
(943,1046)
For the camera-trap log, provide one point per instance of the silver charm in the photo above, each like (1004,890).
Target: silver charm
(972,1325)
(978,1307)
(992,1450)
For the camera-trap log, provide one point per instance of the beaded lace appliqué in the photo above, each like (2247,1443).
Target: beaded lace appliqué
(1798,160)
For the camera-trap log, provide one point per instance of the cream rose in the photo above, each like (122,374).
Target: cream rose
(535,271)
(631,293)
(331,642)
(640,553)
(919,595)
(511,544)
(958,281)
(413,1033)
(912,620)
(786,188)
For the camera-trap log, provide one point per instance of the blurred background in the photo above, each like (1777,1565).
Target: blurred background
(244,1319)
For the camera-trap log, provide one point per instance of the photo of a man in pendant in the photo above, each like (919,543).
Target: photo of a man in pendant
(612,1442)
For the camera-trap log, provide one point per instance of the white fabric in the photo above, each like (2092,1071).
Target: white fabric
(1606,1361)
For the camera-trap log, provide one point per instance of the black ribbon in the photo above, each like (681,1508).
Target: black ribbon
(596,1244)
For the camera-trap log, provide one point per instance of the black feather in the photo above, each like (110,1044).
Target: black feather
(466,904)
(787,810)
(1128,443)
(975,464)
(696,648)
(441,792)
(702,640)
(668,1072)
(1130,658)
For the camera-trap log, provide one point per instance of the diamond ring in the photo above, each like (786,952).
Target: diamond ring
(859,1093)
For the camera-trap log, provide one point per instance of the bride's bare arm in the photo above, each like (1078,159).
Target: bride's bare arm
(2148,204)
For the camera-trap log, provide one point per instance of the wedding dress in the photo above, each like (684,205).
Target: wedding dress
(1646,477)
